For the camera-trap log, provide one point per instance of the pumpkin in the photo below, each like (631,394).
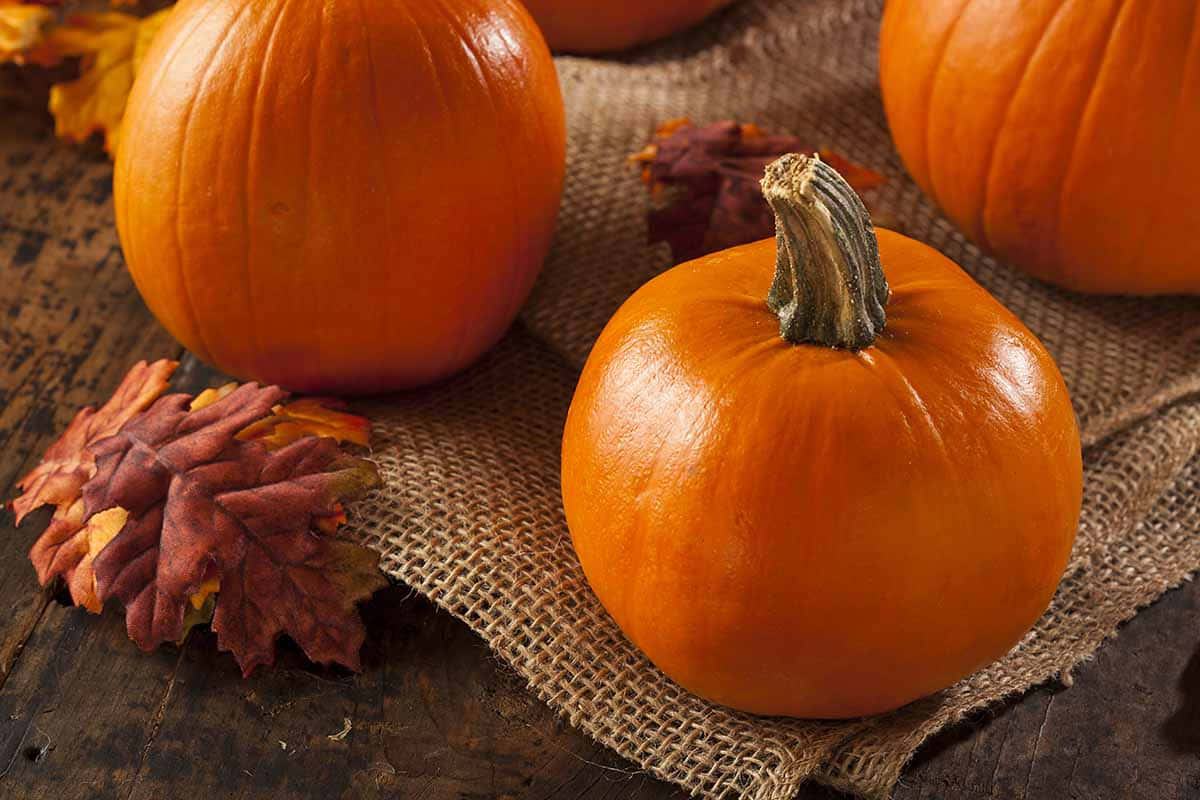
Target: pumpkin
(597,26)
(341,197)
(1060,135)
(833,502)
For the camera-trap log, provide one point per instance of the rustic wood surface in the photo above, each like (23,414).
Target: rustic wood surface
(84,714)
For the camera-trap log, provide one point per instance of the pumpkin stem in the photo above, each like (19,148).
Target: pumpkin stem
(829,286)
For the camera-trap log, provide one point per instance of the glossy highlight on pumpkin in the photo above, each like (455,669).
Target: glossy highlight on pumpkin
(343,197)
(1060,134)
(818,532)
(597,26)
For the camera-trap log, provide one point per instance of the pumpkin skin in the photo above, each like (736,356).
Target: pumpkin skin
(597,26)
(801,530)
(1059,134)
(341,197)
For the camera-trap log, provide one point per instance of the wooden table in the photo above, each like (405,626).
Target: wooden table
(85,714)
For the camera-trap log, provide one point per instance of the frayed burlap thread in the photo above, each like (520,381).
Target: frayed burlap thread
(471,516)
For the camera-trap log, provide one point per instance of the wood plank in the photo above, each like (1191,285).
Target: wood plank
(432,716)
(78,708)
(46,186)
(1129,726)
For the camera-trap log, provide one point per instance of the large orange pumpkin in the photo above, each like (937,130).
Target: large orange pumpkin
(345,197)
(814,506)
(597,26)
(1061,134)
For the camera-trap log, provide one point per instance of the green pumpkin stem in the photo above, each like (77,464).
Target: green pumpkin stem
(829,286)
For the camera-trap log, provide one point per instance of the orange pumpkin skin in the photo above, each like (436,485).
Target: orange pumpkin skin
(1060,134)
(799,530)
(597,26)
(341,197)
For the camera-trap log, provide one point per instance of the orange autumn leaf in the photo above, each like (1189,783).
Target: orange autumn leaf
(308,416)
(68,464)
(99,530)
(210,396)
(23,30)
(111,46)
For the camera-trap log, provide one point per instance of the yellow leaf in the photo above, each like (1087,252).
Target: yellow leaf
(100,529)
(209,587)
(112,46)
(23,31)
(201,614)
(210,396)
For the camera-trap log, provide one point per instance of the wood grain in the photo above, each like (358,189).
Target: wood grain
(84,714)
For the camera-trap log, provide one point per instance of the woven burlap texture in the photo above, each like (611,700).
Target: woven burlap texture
(471,516)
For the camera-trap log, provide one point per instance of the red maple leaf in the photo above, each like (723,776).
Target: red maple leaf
(228,504)
(67,465)
(204,505)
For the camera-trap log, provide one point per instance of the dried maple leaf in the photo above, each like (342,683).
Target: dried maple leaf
(205,505)
(64,549)
(190,510)
(112,45)
(705,182)
(67,464)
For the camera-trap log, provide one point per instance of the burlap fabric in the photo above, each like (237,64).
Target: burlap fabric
(471,513)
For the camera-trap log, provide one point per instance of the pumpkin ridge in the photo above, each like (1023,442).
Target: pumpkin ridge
(910,401)
(308,184)
(447,109)
(519,175)
(125,165)
(1093,92)
(379,150)
(197,22)
(719,393)
(249,183)
(926,144)
(205,352)
(1157,196)
(463,330)
(993,147)
(515,177)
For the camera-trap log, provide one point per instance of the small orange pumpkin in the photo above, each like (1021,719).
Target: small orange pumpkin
(341,197)
(816,505)
(597,26)
(1060,135)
